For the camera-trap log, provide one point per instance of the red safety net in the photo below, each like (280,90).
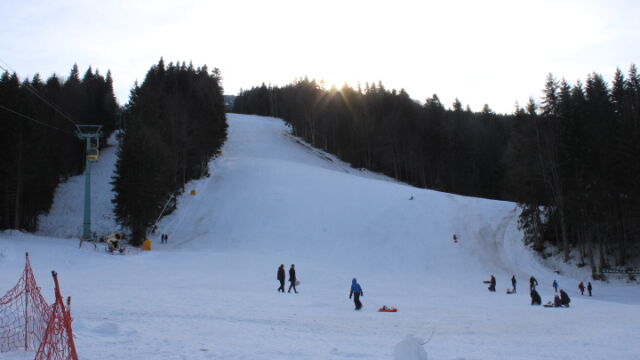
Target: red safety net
(23,314)
(57,343)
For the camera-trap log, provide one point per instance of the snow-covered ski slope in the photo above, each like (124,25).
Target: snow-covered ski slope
(211,292)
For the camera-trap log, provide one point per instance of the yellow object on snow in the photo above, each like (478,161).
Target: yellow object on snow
(146,245)
(193,192)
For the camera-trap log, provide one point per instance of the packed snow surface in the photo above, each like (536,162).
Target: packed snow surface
(271,199)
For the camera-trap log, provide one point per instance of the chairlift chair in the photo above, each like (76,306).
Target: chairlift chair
(93,154)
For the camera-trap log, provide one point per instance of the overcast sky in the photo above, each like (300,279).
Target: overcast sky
(494,52)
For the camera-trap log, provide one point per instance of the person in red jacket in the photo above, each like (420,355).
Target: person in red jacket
(581,287)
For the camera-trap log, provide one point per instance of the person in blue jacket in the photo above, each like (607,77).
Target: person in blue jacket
(555,285)
(356,292)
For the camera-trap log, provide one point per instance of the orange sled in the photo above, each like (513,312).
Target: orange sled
(387,309)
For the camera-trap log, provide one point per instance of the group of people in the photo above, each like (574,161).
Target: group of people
(292,278)
(164,238)
(559,300)
(581,287)
(355,292)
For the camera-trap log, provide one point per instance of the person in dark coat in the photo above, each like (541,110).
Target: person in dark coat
(581,287)
(589,287)
(535,298)
(281,277)
(356,292)
(293,278)
(492,283)
(555,285)
(532,283)
(513,283)
(564,298)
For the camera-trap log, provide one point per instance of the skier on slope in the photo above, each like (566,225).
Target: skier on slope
(513,283)
(356,292)
(589,287)
(555,285)
(532,283)
(581,287)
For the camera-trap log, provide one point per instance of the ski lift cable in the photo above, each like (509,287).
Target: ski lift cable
(35,92)
(155,224)
(34,120)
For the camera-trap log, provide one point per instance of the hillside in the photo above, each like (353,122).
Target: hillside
(211,292)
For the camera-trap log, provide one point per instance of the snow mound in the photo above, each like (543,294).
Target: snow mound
(410,348)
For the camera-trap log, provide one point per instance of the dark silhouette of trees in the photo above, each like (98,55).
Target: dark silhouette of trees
(38,146)
(571,162)
(174,124)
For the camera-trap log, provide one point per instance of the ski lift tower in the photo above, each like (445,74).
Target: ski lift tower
(91,135)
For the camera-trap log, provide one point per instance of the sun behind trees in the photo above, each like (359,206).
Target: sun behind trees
(174,124)
(571,163)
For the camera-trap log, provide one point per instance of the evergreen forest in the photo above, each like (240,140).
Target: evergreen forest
(38,143)
(571,160)
(174,124)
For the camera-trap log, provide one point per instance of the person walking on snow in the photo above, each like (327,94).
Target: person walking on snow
(589,287)
(532,283)
(356,292)
(581,287)
(292,278)
(555,285)
(513,283)
(281,277)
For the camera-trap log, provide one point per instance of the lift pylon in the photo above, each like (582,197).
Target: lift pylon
(91,135)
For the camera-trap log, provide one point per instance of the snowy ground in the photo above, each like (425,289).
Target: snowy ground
(211,292)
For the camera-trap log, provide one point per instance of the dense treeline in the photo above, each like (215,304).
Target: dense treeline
(571,162)
(573,165)
(38,145)
(174,123)
(386,131)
